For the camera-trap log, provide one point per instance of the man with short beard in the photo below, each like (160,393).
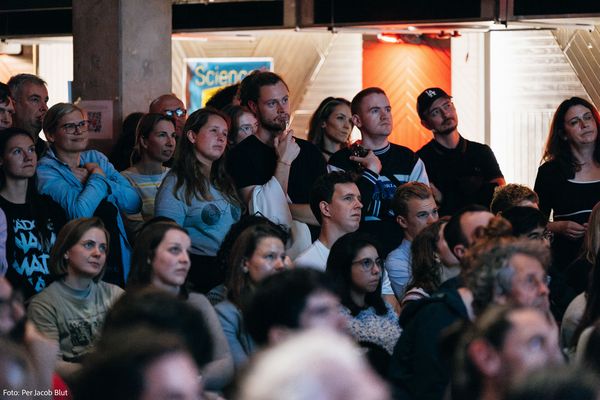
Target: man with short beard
(461,171)
(273,151)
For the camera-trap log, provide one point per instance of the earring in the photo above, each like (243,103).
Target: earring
(245,270)
(66,256)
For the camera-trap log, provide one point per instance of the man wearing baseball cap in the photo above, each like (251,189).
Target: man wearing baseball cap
(461,172)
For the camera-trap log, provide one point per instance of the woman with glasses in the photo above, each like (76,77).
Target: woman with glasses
(32,220)
(199,195)
(86,184)
(154,145)
(243,124)
(568,181)
(331,125)
(355,265)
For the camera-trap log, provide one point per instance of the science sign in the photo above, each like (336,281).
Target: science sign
(204,77)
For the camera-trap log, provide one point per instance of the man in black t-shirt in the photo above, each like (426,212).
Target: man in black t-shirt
(273,152)
(461,172)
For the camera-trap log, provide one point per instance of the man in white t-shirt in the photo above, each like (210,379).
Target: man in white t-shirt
(335,201)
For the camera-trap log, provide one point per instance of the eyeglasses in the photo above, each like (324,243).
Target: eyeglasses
(546,235)
(533,282)
(81,126)
(179,112)
(366,264)
(249,128)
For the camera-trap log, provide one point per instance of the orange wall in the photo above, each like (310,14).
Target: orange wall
(404,71)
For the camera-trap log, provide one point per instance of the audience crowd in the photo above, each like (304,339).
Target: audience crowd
(217,255)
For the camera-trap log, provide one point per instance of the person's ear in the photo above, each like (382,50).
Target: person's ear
(324,207)
(143,142)
(191,135)
(253,107)
(401,220)
(426,125)
(356,120)
(485,357)
(459,251)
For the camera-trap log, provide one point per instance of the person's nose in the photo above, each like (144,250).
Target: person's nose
(185,258)
(279,264)
(171,141)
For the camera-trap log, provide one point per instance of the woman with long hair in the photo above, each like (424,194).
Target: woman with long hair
(155,141)
(32,220)
(243,124)
(161,260)
(432,262)
(258,252)
(355,265)
(199,195)
(330,126)
(72,309)
(85,184)
(571,164)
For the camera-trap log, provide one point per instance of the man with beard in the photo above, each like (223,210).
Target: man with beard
(461,171)
(273,152)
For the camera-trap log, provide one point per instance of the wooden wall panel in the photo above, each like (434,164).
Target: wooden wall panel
(404,71)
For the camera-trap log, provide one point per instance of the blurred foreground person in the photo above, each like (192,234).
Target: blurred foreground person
(317,364)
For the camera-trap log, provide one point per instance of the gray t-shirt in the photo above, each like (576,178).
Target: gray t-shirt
(72,317)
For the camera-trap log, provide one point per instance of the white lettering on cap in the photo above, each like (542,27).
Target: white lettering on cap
(430,92)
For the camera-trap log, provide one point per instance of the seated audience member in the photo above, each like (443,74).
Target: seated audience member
(30,97)
(170,106)
(7,107)
(528,222)
(382,166)
(556,383)
(355,266)
(243,124)
(272,165)
(227,96)
(219,293)
(415,208)
(502,346)
(459,234)
(432,262)
(496,269)
(161,260)
(578,272)
(335,201)
(85,184)
(292,301)
(317,364)
(199,195)
(72,309)
(19,338)
(512,195)
(140,363)
(154,146)
(32,220)
(120,156)
(330,126)
(583,311)
(258,252)
(588,349)
(461,171)
(159,310)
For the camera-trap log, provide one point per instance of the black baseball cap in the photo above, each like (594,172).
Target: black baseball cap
(426,99)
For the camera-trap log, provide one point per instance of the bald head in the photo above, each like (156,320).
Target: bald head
(170,105)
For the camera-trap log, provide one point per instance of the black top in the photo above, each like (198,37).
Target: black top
(568,200)
(31,231)
(253,163)
(462,174)
(417,369)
